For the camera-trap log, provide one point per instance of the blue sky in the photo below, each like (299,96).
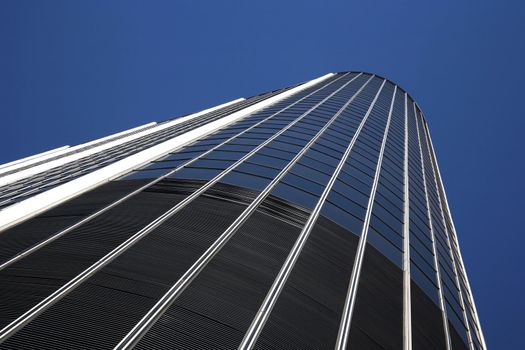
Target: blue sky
(72,71)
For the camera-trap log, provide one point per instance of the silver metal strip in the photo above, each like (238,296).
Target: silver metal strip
(458,285)
(454,234)
(10,165)
(36,310)
(348,309)
(117,202)
(23,210)
(82,152)
(407,300)
(169,297)
(62,151)
(434,249)
(469,296)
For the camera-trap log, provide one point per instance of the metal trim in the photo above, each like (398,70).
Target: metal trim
(266,307)
(129,195)
(14,214)
(8,179)
(167,299)
(36,310)
(458,286)
(346,319)
(444,201)
(19,162)
(434,249)
(407,300)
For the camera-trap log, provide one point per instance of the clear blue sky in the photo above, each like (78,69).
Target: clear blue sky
(72,71)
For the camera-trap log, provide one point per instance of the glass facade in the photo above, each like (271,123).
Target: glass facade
(316,221)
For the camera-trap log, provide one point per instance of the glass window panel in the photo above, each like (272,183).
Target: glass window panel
(287,147)
(342,218)
(303,183)
(193,148)
(164,165)
(264,159)
(293,140)
(350,192)
(347,204)
(387,217)
(146,174)
(417,243)
(275,152)
(385,247)
(212,163)
(396,208)
(310,173)
(387,231)
(208,142)
(182,155)
(236,148)
(295,195)
(246,180)
(327,156)
(196,173)
(424,283)
(423,265)
(225,155)
(325,168)
(357,171)
(260,170)
(457,322)
(245,141)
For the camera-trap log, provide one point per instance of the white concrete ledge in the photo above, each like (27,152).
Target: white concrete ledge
(62,150)
(74,157)
(30,207)
(11,165)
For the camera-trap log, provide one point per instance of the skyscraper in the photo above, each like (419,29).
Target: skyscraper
(309,217)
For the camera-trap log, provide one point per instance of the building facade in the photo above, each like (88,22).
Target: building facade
(309,217)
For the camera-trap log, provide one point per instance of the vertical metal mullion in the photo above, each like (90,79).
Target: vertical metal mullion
(10,216)
(407,300)
(266,307)
(36,310)
(434,249)
(348,309)
(469,296)
(140,329)
(153,182)
(458,285)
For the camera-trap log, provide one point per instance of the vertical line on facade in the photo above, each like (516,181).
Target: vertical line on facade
(346,319)
(41,244)
(36,310)
(36,204)
(81,154)
(434,249)
(470,295)
(264,311)
(407,301)
(140,329)
(440,199)
(357,100)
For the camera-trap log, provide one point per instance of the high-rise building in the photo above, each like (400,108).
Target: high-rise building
(309,217)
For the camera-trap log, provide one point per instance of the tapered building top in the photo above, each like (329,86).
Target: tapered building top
(309,217)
